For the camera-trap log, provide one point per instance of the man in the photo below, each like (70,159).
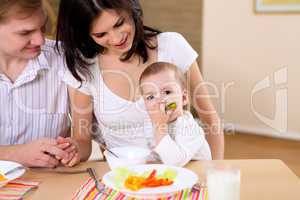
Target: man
(33,100)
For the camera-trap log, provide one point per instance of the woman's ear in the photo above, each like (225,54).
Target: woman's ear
(185,97)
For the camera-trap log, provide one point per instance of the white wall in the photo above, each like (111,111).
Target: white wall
(244,48)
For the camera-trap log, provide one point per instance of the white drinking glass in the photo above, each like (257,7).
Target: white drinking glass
(223,183)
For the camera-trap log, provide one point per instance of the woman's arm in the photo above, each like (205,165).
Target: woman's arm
(206,112)
(82,115)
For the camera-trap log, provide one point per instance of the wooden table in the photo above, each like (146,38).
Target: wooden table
(260,179)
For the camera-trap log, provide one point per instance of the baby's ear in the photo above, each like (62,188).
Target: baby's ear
(185,97)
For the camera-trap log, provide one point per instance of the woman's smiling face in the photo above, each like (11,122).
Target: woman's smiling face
(114,31)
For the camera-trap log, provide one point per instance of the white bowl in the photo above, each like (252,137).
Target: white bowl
(128,155)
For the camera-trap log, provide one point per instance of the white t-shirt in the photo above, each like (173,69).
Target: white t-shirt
(124,122)
(185,141)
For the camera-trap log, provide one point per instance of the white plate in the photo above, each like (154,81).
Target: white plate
(185,179)
(8,165)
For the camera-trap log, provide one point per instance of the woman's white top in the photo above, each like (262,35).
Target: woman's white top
(124,122)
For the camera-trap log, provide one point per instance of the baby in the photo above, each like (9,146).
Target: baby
(178,137)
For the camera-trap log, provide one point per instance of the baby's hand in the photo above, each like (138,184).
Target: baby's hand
(161,115)
(70,146)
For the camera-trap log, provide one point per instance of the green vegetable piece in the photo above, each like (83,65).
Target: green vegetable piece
(168,174)
(171,106)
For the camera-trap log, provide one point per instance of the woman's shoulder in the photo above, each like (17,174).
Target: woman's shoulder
(167,36)
(172,41)
(174,48)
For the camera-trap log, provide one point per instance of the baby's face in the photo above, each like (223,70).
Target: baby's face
(163,88)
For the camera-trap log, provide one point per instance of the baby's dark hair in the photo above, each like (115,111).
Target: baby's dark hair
(158,67)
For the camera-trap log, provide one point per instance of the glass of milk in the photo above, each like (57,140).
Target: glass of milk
(223,183)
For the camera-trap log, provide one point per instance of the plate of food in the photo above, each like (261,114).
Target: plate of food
(151,180)
(10,171)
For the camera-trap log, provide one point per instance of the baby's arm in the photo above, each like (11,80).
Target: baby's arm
(185,142)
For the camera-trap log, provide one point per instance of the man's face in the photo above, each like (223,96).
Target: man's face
(22,34)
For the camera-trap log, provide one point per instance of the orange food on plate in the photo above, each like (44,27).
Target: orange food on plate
(2,177)
(135,183)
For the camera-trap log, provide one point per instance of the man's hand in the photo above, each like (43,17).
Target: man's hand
(39,153)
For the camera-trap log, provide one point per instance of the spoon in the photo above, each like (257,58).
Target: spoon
(107,149)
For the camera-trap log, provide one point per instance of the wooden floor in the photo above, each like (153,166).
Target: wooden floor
(245,146)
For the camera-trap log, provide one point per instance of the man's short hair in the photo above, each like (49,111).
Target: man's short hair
(24,7)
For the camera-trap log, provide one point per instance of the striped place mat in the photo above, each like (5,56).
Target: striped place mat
(16,189)
(88,191)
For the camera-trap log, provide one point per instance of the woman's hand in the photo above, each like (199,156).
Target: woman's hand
(71,147)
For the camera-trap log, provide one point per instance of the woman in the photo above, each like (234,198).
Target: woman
(107,47)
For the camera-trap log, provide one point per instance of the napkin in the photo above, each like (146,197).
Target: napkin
(16,189)
(88,191)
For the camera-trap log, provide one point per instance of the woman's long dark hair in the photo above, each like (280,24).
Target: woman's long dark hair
(73,32)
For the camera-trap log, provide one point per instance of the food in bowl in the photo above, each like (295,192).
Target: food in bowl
(127,155)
